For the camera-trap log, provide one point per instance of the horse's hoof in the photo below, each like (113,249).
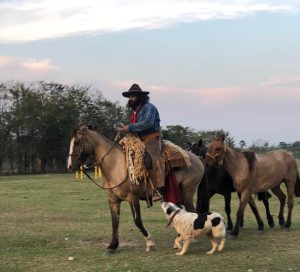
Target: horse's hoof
(229,228)
(231,236)
(271,225)
(110,251)
(234,233)
(261,227)
(287,225)
(281,222)
(150,248)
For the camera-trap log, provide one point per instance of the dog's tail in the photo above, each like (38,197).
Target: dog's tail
(297,186)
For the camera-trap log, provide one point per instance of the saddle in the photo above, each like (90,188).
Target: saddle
(175,156)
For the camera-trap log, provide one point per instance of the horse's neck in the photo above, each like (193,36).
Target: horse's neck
(113,166)
(233,163)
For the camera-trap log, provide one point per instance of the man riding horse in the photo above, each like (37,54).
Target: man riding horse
(145,123)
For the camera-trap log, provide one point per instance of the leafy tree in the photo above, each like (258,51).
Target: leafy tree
(242,144)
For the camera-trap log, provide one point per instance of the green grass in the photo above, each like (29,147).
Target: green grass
(44,219)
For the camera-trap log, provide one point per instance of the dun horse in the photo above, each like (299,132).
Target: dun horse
(218,181)
(111,159)
(253,173)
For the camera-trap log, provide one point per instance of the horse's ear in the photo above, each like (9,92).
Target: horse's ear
(189,144)
(223,137)
(200,143)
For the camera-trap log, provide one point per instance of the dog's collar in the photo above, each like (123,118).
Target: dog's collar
(172,218)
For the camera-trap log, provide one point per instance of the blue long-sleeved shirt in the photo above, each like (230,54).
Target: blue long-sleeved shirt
(147,120)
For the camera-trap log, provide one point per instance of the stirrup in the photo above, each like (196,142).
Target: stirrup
(157,196)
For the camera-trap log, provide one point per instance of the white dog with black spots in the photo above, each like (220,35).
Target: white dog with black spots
(190,225)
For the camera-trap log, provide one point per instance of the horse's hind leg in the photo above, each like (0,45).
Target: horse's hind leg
(290,203)
(242,219)
(115,216)
(256,213)
(281,196)
(136,212)
(268,213)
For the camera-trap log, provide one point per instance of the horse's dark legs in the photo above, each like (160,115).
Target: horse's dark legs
(203,202)
(227,198)
(256,213)
(290,203)
(242,219)
(282,197)
(268,213)
(240,212)
(136,212)
(115,216)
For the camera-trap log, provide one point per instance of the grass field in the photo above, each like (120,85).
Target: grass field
(44,219)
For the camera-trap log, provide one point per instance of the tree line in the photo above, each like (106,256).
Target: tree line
(37,120)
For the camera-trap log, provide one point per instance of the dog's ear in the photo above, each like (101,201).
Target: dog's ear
(169,211)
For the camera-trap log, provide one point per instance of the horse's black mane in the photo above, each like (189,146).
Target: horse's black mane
(251,158)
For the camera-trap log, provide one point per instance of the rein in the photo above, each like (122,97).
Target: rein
(102,187)
(172,218)
(99,162)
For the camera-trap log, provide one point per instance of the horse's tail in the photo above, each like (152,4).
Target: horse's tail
(297,186)
(202,196)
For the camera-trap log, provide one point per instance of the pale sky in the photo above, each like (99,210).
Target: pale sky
(232,65)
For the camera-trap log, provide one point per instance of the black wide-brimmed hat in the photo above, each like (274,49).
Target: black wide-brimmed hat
(134,90)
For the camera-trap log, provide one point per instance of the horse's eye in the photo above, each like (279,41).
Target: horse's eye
(77,141)
(218,149)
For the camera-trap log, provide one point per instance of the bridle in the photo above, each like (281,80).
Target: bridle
(84,168)
(78,154)
(217,155)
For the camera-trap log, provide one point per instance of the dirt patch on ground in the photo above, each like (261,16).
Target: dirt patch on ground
(106,242)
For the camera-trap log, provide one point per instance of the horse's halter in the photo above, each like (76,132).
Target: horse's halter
(216,157)
(78,154)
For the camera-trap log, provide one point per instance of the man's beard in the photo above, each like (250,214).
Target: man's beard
(134,104)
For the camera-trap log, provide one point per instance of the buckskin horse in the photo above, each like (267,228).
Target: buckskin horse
(218,181)
(252,173)
(109,155)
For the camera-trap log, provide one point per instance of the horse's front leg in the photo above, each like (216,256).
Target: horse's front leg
(227,198)
(115,216)
(240,213)
(136,212)
(256,213)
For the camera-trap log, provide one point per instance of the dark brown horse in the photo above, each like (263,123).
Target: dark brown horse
(110,157)
(253,173)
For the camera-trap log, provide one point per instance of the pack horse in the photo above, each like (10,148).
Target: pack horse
(109,155)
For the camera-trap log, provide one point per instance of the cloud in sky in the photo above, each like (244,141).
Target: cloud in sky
(30,20)
(283,81)
(26,68)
